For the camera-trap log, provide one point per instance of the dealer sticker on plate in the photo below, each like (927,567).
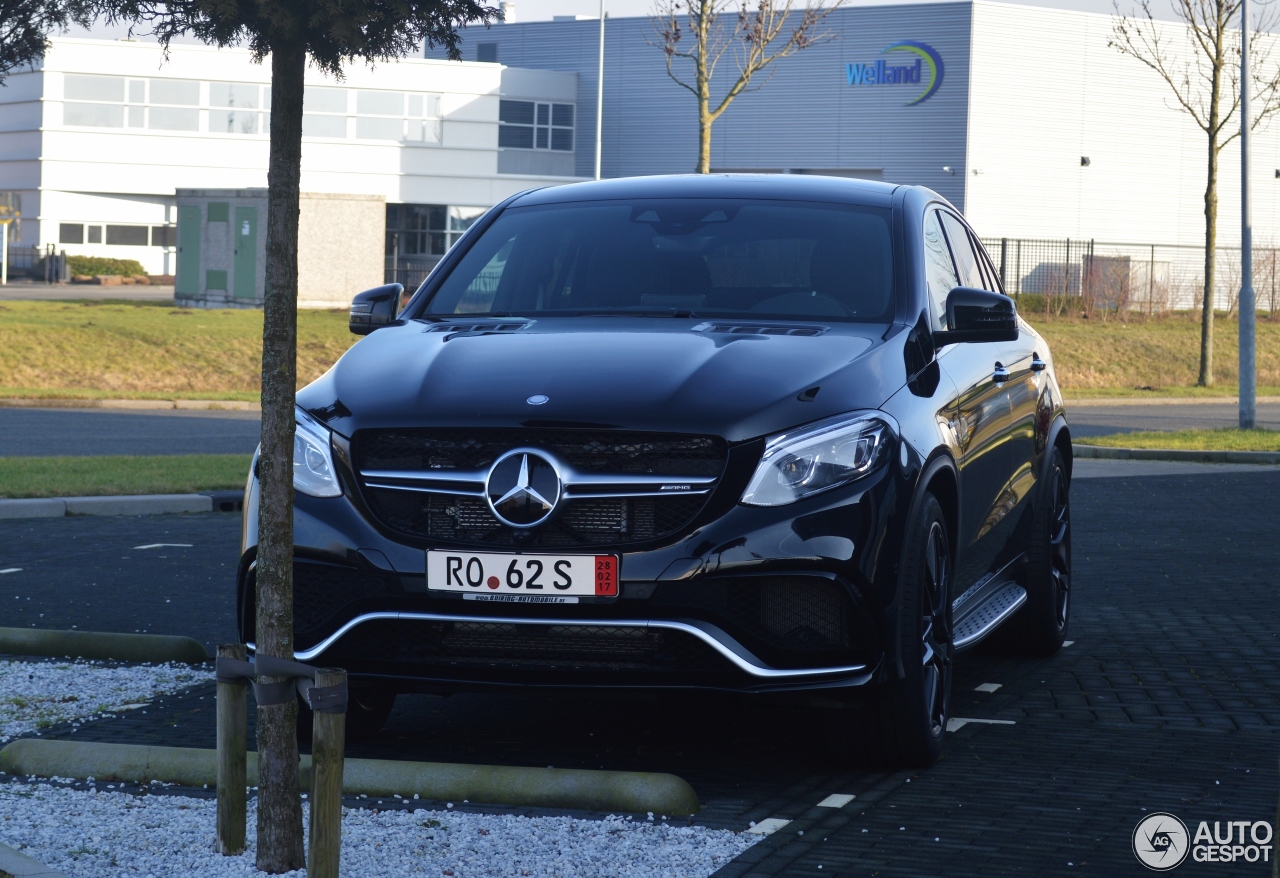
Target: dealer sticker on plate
(536,579)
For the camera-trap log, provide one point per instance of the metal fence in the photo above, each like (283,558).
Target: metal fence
(409,272)
(39,263)
(1101,277)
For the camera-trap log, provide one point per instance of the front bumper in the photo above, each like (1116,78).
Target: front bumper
(754,599)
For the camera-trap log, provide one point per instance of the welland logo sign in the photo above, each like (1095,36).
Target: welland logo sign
(925,71)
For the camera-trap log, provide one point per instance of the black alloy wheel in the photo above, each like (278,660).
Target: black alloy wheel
(905,718)
(1040,626)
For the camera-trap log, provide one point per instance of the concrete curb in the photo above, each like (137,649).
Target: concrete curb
(618,791)
(19,865)
(152,648)
(123,504)
(1103,452)
(137,404)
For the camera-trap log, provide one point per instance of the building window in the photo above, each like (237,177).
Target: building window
(130,236)
(487,52)
(164,236)
(70,233)
(234,107)
(531,125)
(117,102)
(324,112)
(395,115)
(417,230)
(94,234)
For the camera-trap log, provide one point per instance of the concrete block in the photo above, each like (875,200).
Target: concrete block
(144,504)
(19,865)
(102,645)
(42,508)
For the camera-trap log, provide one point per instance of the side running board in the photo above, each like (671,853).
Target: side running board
(987,616)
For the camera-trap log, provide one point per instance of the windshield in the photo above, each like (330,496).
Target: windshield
(696,257)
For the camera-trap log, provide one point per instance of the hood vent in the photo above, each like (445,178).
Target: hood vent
(487,326)
(761,328)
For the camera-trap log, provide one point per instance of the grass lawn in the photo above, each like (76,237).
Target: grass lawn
(137,350)
(1226,439)
(92,476)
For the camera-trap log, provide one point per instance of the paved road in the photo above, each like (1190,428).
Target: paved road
(1097,420)
(36,432)
(1167,699)
(25,431)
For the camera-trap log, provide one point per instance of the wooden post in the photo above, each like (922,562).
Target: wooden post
(328,741)
(232,731)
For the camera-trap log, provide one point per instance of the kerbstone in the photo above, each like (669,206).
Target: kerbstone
(40,508)
(141,504)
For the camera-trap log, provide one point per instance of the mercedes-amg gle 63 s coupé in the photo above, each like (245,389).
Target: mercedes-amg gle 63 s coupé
(766,434)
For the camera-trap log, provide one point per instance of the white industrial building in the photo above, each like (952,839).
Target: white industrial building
(1026,95)
(100,137)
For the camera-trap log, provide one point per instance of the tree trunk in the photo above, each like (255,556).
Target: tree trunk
(279,805)
(1210,264)
(704,135)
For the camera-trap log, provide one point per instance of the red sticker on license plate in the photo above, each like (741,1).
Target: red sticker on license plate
(606,576)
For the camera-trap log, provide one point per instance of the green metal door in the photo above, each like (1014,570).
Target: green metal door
(245,266)
(187,281)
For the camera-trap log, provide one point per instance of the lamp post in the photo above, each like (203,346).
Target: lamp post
(600,93)
(1248,308)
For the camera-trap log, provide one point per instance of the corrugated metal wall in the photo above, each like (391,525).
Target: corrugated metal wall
(806,117)
(1047,89)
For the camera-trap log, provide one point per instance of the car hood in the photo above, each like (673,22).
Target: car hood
(614,373)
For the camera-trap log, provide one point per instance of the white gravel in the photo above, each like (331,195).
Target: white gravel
(87,834)
(36,695)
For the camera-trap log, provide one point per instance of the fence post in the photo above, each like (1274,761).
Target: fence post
(328,741)
(232,732)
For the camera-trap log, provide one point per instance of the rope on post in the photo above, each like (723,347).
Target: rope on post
(325,692)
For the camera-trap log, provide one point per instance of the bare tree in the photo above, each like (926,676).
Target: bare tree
(695,30)
(1196,61)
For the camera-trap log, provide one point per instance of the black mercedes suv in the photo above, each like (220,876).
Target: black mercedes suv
(770,434)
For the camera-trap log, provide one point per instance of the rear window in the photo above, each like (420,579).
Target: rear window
(722,258)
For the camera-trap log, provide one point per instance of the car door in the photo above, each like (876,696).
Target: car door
(982,422)
(1026,377)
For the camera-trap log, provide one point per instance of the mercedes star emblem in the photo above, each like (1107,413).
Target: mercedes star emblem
(523,488)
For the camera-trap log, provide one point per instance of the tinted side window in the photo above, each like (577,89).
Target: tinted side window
(940,273)
(966,261)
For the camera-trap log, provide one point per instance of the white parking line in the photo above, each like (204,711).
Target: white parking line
(1067,642)
(959,722)
(768,827)
(165,546)
(987,687)
(11,570)
(836,800)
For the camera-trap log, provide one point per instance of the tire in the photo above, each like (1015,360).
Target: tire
(905,719)
(367,711)
(1040,625)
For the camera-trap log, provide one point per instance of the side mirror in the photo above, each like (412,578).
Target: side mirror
(374,308)
(976,316)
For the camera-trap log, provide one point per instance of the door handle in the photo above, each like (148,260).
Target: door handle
(1001,374)
(1037,364)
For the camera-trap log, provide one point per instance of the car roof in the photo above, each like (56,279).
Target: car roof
(773,187)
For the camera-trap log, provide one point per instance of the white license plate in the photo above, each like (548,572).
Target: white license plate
(536,579)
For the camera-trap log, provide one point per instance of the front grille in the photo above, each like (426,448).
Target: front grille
(583,522)
(580,522)
(512,646)
(776,615)
(589,451)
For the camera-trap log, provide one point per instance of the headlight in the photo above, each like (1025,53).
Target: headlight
(819,456)
(313,471)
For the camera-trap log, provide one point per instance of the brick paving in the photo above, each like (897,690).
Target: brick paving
(1168,699)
